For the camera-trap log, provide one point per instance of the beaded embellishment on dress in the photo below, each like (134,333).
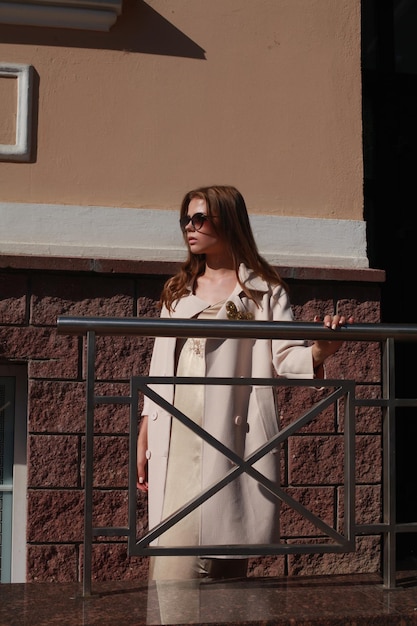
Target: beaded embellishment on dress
(197,346)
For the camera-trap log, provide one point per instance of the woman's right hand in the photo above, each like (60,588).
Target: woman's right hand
(142,461)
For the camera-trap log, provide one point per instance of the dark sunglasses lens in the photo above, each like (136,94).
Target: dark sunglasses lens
(197,221)
(184,221)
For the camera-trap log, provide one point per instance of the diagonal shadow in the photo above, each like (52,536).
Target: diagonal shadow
(138,29)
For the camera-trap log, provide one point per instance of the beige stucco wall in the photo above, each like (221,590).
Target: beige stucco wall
(262,94)
(8,99)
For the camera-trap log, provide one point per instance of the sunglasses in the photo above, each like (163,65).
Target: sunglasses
(197,221)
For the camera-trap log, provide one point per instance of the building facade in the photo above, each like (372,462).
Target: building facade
(111,112)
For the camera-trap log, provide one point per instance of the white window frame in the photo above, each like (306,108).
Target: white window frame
(20,150)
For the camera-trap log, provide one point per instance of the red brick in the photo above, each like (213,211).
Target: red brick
(53,461)
(13,295)
(121,357)
(65,368)
(56,406)
(262,566)
(76,296)
(110,508)
(367,419)
(55,516)
(368,458)
(365,309)
(365,559)
(110,561)
(368,500)
(111,457)
(150,293)
(316,460)
(318,500)
(293,402)
(112,418)
(52,563)
(27,343)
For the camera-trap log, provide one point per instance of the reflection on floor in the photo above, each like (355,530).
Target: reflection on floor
(358,600)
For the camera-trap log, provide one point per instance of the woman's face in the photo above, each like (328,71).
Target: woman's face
(202,237)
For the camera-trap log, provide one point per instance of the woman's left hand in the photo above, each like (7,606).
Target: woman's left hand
(322,348)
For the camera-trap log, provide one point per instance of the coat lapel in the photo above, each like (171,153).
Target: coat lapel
(190,306)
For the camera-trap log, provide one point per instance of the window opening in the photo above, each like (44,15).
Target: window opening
(7,402)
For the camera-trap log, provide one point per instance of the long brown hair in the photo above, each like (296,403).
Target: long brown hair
(227,204)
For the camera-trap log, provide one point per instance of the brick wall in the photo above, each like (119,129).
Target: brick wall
(34,292)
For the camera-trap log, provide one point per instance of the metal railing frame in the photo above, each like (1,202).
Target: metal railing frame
(385,334)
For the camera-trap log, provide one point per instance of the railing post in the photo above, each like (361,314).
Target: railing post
(89,453)
(389,464)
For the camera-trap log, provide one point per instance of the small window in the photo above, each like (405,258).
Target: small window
(12,474)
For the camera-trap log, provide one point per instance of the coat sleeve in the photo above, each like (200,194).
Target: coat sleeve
(291,358)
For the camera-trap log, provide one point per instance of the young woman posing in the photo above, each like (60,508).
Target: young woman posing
(223,277)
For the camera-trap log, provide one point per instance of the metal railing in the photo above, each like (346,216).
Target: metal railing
(385,334)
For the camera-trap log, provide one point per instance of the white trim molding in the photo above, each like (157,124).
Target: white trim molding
(97,15)
(154,235)
(21,149)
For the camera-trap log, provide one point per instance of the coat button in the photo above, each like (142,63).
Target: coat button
(247,428)
(238,420)
(154,415)
(148,454)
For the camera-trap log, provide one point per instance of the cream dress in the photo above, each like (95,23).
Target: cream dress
(183,482)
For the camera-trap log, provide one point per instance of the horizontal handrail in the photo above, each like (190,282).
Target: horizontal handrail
(168,327)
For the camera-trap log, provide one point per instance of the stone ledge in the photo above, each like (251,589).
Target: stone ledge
(115,266)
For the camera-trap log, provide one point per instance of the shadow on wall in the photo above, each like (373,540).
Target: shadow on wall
(138,29)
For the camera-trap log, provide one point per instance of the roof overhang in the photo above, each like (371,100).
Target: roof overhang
(97,15)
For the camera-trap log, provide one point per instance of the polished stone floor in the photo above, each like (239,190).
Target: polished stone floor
(359,600)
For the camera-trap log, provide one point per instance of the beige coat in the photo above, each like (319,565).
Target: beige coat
(243,418)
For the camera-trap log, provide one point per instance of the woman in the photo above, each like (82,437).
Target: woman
(224,277)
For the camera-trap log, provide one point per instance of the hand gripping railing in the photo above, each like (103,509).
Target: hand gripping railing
(385,334)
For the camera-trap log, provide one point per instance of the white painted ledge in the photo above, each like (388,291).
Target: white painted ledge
(154,235)
(99,15)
